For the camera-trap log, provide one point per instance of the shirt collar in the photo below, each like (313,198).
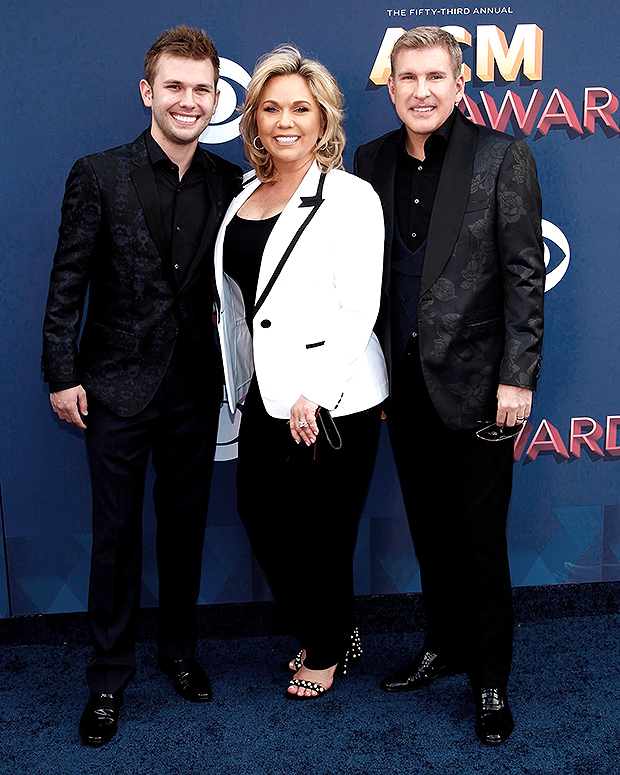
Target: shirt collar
(157,155)
(437,140)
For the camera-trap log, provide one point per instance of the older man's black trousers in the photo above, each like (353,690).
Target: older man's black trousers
(456,488)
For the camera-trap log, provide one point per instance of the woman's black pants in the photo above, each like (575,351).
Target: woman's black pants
(301,507)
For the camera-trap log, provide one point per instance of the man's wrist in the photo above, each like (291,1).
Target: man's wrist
(56,387)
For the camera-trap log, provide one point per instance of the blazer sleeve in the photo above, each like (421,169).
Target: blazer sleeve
(77,240)
(519,211)
(356,251)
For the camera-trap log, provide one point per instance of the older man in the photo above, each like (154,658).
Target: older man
(461,327)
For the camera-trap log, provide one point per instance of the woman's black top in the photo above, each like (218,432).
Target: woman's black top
(244,244)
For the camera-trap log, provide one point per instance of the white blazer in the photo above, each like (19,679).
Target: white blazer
(313,334)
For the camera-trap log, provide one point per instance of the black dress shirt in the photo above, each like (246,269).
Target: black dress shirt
(184,205)
(416,182)
(415,187)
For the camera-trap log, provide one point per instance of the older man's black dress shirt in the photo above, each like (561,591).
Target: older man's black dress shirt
(416,184)
(415,187)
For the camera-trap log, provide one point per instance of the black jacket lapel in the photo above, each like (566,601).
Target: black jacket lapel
(382,181)
(451,199)
(144,181)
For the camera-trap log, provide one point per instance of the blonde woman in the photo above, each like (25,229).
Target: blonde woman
(298,272)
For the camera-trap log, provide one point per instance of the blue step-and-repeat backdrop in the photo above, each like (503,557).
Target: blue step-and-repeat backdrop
(543,71)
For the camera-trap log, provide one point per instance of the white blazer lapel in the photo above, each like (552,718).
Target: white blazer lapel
(286,227)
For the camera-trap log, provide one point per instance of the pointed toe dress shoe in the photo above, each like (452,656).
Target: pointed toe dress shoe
(494,722)
(99,721)
(190,680)
(424,669)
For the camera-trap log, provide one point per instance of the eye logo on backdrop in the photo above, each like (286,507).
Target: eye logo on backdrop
(555,243)
(232,84)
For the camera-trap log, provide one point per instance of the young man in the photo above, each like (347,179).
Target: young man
(461,328)
(138,227)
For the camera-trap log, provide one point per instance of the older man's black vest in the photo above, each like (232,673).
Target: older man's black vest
(406,278)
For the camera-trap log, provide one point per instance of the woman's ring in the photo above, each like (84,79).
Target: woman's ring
(302,424)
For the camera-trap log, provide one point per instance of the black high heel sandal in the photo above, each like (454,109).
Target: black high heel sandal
(352,655)
(296,661)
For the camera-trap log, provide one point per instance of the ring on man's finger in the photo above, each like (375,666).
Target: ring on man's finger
(520,419)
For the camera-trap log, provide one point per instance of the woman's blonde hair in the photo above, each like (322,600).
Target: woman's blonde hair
(287,60)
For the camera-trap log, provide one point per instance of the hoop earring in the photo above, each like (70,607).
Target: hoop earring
(262,147)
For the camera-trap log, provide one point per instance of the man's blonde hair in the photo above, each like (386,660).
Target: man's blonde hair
(428,37)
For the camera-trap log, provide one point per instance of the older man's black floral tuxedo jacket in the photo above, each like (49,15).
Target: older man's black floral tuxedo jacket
(112,243)
(481,298)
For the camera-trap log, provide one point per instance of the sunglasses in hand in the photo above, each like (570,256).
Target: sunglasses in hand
(495,432)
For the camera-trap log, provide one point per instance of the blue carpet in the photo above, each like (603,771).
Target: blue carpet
(565,695)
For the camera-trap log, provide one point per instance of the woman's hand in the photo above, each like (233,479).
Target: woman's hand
(303,421)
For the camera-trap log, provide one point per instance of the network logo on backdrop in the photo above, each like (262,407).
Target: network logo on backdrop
(232,84)
(556,253)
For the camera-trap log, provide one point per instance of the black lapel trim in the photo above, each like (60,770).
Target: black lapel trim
(306,201)
(316,200)
(451,199)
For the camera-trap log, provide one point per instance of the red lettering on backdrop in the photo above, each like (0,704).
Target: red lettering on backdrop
(585,430)
(559,110)
(593,110)
(474,113)
(599,102)
(546,439)
(611,437)
(512,104)
(521,439)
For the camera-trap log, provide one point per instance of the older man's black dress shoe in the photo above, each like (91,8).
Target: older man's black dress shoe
(99,721)
(190,680)
(493,717)
(426,667)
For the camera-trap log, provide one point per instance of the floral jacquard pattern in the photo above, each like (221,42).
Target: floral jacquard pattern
(135,313)
(482,318)
(522,166)
(473,271)
(510,206)
(480,308)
